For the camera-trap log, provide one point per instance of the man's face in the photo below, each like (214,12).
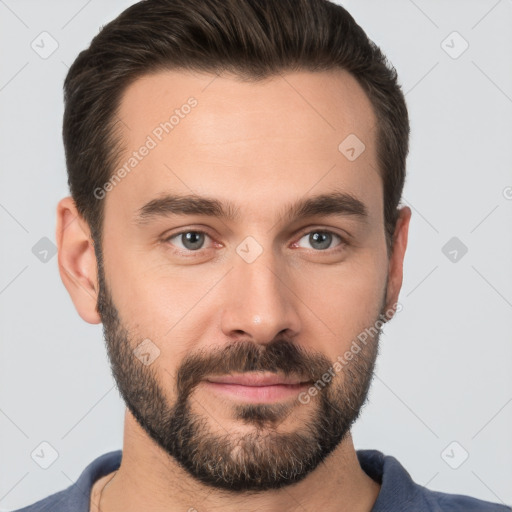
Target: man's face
(254,291)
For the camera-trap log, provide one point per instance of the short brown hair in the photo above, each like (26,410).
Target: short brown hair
(253,39)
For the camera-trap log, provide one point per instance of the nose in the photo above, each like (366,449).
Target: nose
(259,303)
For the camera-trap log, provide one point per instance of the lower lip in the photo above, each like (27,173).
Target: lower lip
(258,393)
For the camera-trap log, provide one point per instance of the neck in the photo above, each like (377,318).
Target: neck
(148,479)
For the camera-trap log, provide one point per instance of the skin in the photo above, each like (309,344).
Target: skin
(260,145)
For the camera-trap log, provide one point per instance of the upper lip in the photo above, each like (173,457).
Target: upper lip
(256,379)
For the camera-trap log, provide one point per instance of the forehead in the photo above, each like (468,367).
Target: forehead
(224,137)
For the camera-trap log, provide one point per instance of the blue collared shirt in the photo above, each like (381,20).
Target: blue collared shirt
(398,492)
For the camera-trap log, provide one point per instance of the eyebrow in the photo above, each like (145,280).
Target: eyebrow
(331,204)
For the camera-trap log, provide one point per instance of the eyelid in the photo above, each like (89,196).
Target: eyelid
(166,238)
(344,241)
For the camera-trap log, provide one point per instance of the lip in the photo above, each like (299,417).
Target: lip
(256,388)
(257,379)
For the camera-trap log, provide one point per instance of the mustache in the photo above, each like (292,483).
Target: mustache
(280,356)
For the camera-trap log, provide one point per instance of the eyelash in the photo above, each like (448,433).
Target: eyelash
(190,253)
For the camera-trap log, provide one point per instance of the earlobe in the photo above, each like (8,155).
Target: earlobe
(395,270)
(77,260)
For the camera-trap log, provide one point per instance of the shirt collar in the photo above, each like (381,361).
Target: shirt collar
(397,487)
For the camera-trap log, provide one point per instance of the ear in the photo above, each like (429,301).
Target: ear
(77,260)
(395,269)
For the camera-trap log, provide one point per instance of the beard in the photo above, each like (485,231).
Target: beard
(254,460)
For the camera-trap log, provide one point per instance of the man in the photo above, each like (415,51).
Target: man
(235,169)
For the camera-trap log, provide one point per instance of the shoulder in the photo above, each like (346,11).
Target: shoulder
(400,493)
(55,503)
(459,503)
(77,496)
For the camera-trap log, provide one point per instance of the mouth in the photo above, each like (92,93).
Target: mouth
(257,387)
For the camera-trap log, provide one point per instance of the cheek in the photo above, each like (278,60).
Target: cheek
(340,303)
(170,306)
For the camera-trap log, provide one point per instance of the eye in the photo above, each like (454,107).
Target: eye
(321,240)
(194,240)
(188,240)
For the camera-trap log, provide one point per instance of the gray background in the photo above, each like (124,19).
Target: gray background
(444,371)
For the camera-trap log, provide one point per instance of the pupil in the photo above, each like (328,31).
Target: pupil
(323,238)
